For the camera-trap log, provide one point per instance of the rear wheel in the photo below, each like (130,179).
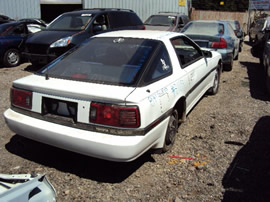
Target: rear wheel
(171,132)
(11,58)
(229,66)
(214,89)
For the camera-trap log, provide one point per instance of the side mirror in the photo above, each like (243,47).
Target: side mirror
(239,34)
(97,28)
(207,54)
(180,25)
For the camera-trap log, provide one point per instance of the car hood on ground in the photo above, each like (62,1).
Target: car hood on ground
(74,89)
(162,28)
(48,36)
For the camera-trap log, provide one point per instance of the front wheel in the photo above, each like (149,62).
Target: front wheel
(171,132)
(12,58)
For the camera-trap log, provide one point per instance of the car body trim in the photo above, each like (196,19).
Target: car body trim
(95,127)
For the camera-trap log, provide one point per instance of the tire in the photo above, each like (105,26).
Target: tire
(236,57)
(268,79)
(12,58)
(250,39)
(171,132)
(214,90)
(229,66)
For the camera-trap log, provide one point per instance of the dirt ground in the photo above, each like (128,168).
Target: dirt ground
(225,140)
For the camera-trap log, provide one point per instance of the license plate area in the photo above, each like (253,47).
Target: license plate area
(59,109)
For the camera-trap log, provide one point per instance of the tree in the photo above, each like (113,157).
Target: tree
(229,5)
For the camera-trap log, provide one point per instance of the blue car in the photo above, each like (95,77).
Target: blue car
(216,35)
(12,39)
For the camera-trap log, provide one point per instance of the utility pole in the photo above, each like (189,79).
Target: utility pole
(249,11)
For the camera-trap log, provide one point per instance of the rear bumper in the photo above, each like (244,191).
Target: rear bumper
(99,145)
(227,56)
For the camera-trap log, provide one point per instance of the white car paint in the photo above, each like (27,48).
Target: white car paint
(155,102)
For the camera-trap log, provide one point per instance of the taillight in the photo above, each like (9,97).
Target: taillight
(220,44)
(141,27)
(21,98)
(113,115)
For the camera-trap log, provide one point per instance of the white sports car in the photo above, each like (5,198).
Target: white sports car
(116,96)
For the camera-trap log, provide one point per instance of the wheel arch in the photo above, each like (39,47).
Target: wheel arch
(180,106)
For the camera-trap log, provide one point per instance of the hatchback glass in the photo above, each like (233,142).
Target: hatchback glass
(105,60)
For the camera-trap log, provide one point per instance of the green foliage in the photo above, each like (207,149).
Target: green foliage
(229,5)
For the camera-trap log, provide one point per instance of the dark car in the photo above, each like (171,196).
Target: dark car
(72,28)
(266,64)
(12,39)
(217,35)
(255,32)
(5,19)
(238,32)
(166,21)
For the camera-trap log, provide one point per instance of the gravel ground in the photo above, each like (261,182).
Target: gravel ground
(225,139)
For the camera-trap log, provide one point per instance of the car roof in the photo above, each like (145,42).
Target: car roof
(11,23)
(170,13)
(98,10)
(142,34)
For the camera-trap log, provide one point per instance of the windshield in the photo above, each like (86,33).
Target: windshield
(105,60)
(204,28)
(162,20)
(69,22)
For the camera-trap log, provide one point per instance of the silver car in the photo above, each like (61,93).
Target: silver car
(216,35)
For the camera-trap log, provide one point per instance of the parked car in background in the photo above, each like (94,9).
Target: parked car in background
(72,28)
(5,19)
(216,35)
(238,32)
(166,21)
(266,64)
(115,96)
(255,31)
(12,39)
(34,24)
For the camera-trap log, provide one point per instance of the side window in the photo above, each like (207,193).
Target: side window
(18,30)
(101,23)
(124,19)
(186,51)
(160,67)
(230,29)
(181,21)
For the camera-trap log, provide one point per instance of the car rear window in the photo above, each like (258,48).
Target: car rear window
(105,60)
(162,20)
(74,22)
(204,28)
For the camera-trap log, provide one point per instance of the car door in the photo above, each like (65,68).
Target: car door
(195,65)
(234,39)
(16,36)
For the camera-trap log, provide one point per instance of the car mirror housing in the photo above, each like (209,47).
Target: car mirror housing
(97,28)
(207,54)
(239,34)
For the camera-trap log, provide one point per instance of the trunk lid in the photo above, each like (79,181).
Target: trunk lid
(74,89)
